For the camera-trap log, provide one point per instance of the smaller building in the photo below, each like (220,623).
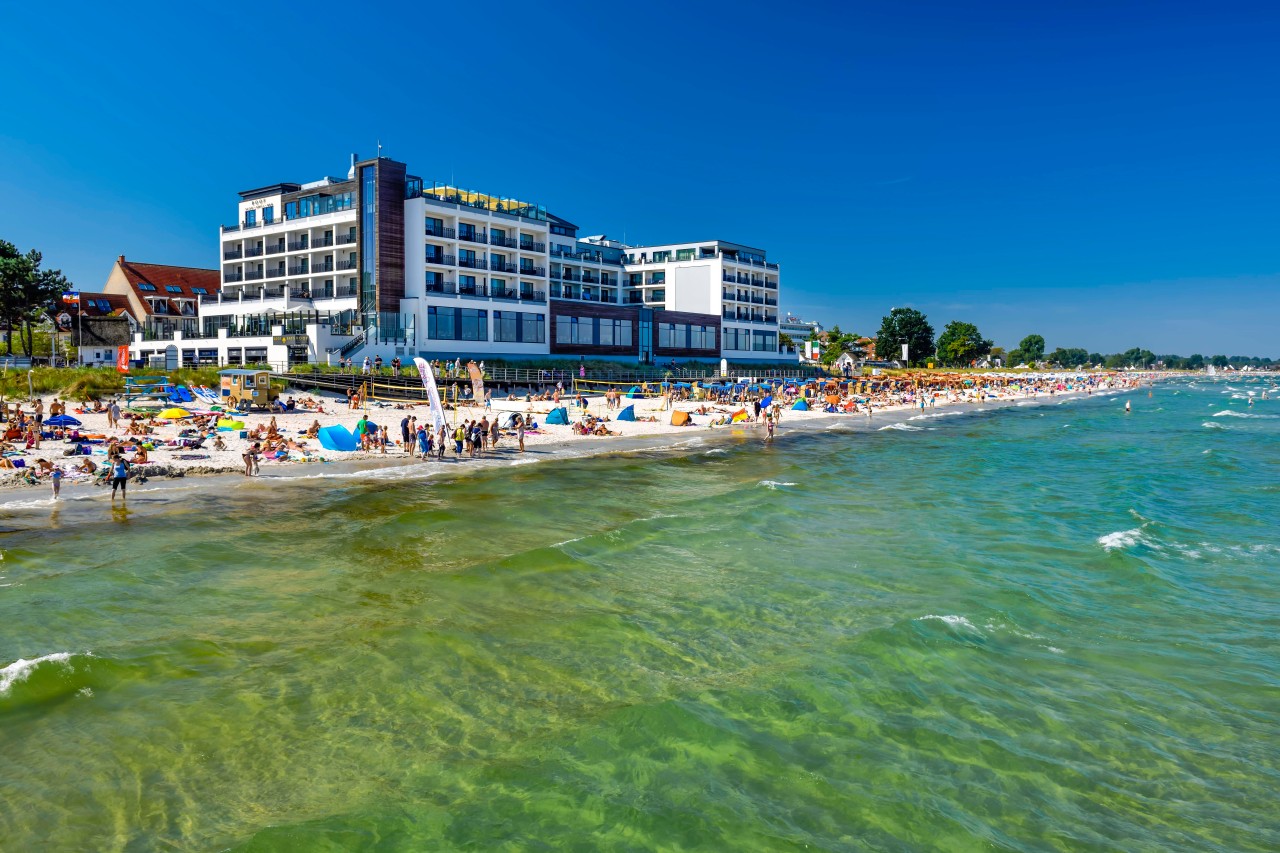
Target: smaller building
(94,340)
(160,298)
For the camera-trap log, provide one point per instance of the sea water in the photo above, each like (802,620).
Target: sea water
(1049,627)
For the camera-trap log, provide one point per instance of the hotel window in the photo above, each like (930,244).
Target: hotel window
(199,290)
(474,324)
(672,335)
(684,254)
(172,288)
(615,333)
(636,279)
(497,286)
(435,226)
(661,257)
(574,330)
(290,210)
(765,342)
(702,337)
(658,278)
(442,323)
(467,284)
(250,217)
(496,236)
(506,326)
(268,214)
(533,328)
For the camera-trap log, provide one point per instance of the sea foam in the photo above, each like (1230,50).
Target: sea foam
(18,671)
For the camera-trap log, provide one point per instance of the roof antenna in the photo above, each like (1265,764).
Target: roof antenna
(379,148)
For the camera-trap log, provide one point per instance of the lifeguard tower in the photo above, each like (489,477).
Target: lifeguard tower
(243,389)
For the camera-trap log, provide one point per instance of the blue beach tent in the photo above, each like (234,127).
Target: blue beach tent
(800,406)
(558,416)
(337,438)
(634,392)
(62,421)
(627,414)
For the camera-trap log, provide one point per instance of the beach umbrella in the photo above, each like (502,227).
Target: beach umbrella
(62,421)
(174,413)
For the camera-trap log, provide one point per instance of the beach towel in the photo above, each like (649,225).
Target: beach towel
(627,414)
(337,438)
(800,406)
(558,416)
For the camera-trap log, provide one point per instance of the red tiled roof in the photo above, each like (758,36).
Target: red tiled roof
(90,303)
(163,276)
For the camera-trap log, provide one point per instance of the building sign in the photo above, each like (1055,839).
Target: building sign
(291,340)
(261,202)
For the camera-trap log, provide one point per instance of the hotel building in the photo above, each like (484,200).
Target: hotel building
(380,263)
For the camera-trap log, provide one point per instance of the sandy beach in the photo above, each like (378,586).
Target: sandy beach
(168,459)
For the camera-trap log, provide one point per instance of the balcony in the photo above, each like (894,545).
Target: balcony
(651,280)
(442,232)
(527,246)
(588,278)
(769,300)
(321,242)
(728,314)
(757,300)
(446,287)
(232,277)
(345,291)
(728,295)
(344,239)
(473,263)
(301,269)
(245,226)
(571,275)
(347,265)
(504,293)
(503,266)
(533,295)
(233,255)
(770,285)
(634,299)
(212,298)
(253,275)
(278,272)
(298,246)
(508,242)
(325,266)
(442,260)
(537,272)
(472,237)
(276,249)
(253,252)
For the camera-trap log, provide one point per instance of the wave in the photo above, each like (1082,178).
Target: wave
(716,451)
(1121,539)
(901,428)
(935,415)
(1230,414)
(1211,425)
(18,671)
(775,484)
(950,619)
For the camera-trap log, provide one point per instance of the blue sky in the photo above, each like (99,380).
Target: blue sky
(1104,174)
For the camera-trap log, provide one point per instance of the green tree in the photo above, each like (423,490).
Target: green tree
(1032,347)
(1219,361)
(785,341)
(904,326)
(27,293)
(837,343)
(961,343)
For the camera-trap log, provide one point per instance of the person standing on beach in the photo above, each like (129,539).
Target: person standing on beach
(113,415)
(55,477)
(520,431)
(484,433)
(441,442)
(406,433)
(459,436)
(119,476)
(494,432)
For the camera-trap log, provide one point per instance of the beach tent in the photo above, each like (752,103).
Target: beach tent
(679,418)
(506,420)
(337,438)
(174,414)
(634,392)
(627,414)
(800,406)
(62,421)
(832,399)
(739,416)
(558,416)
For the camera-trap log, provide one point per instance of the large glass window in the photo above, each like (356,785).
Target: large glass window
(250,217)
(661,257)
(684,254)
(442,323)
(575,330)
(368,245)
(269,214)
(506,326)
(765,342)
(474,324)
(533,329)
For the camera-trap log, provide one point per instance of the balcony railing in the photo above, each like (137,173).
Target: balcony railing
(253,252)
(210,298)
(533,271)
(758,300)
(321,242)
(323,266)
(445,233)
(588,278)
(233,255)
(508,242)
(299,270)
(473,263)
(442,260)
(770,285)
(527,246)
(232,277)
(503,266)
(569,275)
(504,293)
(347,265)
(472,237)
(769,300)
(533,295)
(442,287)
(276,273)
(344,239)
(253,275)
(276,249)
(341,292)
(298,245)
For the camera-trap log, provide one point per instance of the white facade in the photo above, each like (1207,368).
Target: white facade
(481,276)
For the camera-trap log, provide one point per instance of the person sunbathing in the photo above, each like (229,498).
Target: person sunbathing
(140,457)
(313,431)
(44,465)
(86,467)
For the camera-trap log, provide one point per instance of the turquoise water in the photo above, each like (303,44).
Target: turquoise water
(1044,628)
